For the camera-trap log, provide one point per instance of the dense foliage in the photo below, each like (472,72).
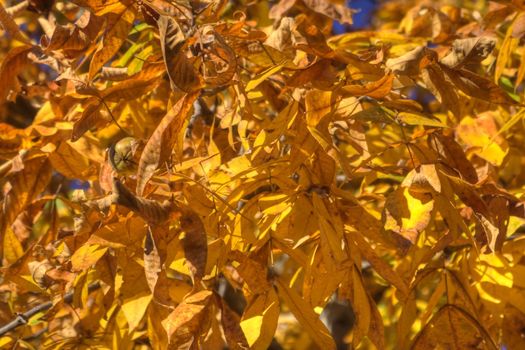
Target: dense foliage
(183,174)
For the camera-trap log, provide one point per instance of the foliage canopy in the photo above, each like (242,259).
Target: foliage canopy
(201,174)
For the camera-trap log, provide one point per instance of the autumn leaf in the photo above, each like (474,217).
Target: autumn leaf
(116,31)
(307,317)
(453,327)
(294,174)
(161,143)
(185,322)
(180,69)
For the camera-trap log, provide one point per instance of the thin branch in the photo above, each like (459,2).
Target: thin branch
(22,319)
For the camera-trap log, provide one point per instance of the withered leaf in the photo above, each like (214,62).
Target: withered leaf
(180,69)
(195,244)
(25,185)
(455,154)
(152,263)
(12,64)
(468,51)
(376,89)
(185,324)
(166,136)
(116,31)
(453,327)
(477,86)
(436,82)
(151,210)
(408,64)
(10,26)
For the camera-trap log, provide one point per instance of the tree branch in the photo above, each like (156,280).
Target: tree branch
(21,319)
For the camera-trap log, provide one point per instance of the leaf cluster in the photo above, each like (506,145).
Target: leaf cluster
(211,174)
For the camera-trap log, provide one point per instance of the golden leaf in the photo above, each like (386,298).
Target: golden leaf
(306,316)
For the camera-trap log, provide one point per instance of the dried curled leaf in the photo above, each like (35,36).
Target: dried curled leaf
(468,51)
(160,145)
(151,210)
(180,69)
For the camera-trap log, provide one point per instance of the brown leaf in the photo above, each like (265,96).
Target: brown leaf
(444,91)
(10,26)
(468,51)
(338,12)
(195,244)
(232,329)
(152,263)
(151,210)
(115,34)
(477,86)
(251,272)
(376,89)
(496,14)
(490,223)
(25,185)
(456,157)
(220,64)
(311,39)
(423,179)
(408,64)
(321,74)
(334,11)
(181,72)
(518,28)
(453,328)
(91,117)
(72,39)
(160,145)
(12,64)
(185,324)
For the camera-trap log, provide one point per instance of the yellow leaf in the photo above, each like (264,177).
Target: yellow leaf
(318,105)
(86,256)
(12,247)
(407,213)
(259,320)
(505,51)
(412,118)
(361,307)
(306,316)
(135,308)
(331,230)
(478,133)
(70,163)
(252,84)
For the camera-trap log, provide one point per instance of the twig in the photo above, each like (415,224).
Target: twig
(21,319)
